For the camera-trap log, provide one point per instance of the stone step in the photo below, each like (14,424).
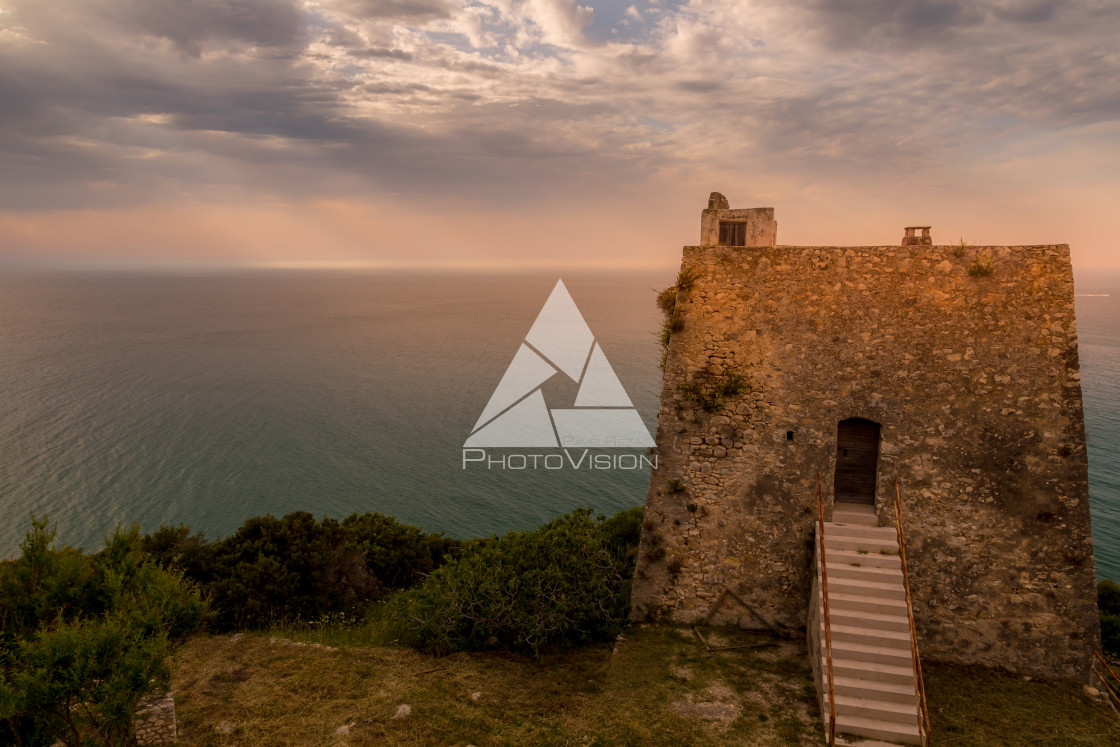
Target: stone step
(845,585)
(863,603)
(861,688)
(872,621)
(854,668)
(873,654)
(861,545)
(872,661)
(864,559)
(869,636)
(855,509)
(856,530)
(869,672)
(870,727)
(864,572)
(859,518)
(883,710)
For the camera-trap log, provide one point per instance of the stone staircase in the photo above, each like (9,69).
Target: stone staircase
(872,665)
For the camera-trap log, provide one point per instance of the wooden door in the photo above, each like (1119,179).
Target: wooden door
(857,460)
(732,234)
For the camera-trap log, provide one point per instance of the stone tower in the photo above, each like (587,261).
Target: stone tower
(951,369)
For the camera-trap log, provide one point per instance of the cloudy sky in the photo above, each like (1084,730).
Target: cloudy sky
(549,132)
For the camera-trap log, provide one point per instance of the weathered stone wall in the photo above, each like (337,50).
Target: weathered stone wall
(153,722)
(975,382)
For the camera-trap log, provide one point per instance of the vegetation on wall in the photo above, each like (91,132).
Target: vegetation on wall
(667,302)
(84,637)
(710,392)
(980,268)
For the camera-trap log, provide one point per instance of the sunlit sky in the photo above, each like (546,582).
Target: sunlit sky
(525,133)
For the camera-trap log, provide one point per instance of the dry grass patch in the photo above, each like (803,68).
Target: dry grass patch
(982,707)
(658,686)
(249,691)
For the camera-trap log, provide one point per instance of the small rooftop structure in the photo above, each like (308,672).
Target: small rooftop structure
(722,226)
(911,240)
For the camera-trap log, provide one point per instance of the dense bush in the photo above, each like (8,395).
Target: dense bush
(396,555)
(1108,599)
(273,570)
(176,546)
(83,637)
(296,568)
(621,532)
(565,583)
(279,571)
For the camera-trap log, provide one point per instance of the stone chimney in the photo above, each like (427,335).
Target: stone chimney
(911,240)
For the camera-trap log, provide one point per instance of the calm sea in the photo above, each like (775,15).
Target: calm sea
(208,398)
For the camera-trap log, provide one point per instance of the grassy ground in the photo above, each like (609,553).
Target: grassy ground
(980,707)
(658,686)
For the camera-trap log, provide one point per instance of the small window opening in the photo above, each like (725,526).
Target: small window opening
(789,435)
(732,233)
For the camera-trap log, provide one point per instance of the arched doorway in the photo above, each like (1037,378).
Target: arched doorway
(857,461)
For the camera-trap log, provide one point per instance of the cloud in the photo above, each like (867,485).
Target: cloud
(561,21)
(114,103)
(380,52)
(411,10)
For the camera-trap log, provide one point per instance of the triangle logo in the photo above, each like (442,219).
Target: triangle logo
(559,342)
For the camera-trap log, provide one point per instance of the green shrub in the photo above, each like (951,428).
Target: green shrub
(621,532)
(274,570)
(1108,597)
(396,555)
(1108,601)
(176,547)
(564,583)
(83,637)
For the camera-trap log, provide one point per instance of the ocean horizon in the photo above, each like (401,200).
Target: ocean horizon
(206,397)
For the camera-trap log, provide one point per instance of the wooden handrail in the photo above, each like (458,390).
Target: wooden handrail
(1111,688)
(919,683)
(1101,659)
(827,621)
